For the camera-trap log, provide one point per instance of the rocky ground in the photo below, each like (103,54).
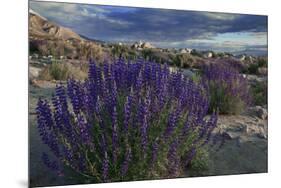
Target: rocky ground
(244,150)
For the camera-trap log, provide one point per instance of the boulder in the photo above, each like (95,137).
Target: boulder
(34,72)
(259,112)
(262,71)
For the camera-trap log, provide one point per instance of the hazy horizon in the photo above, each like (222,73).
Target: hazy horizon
(161,27)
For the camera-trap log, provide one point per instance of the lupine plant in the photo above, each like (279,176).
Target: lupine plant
(127,121)
(229,90)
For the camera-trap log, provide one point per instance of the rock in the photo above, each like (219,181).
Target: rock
(262,135)
(262,113)
(142,45)
(237,127)
(231,135)
(259,112)
(262,71)
(34,72)
(249,126)
(253,79)
(43,83)
(257,131)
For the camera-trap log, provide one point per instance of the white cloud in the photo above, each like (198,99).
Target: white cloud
(220,16)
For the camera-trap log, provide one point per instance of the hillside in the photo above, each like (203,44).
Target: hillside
(40,27)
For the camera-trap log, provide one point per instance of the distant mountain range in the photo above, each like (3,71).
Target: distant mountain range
(91,39)
(253,52)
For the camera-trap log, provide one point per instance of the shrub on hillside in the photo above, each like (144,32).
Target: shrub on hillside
(229,91)
(127,121)
(254,67)
(183,60)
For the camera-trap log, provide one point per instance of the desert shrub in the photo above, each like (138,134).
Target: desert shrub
(259,93)
(196,53)
(183,60)
(127,121)
(253,68)
(55,71)
(262,62)
(63,71)
(228,90)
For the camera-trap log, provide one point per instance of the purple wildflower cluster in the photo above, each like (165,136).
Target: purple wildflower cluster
(126,121)
(227,88)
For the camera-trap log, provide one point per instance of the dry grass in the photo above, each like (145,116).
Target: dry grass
(63,71)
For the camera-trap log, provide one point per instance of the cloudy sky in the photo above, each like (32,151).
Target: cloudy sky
(162,28)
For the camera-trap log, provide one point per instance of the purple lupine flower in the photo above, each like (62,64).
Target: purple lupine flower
(173,118)
(53,165)
(144,125)
(190,156)
(185,129)
(114,94)
(155,147)
(92,121)
(144,138)
(211,126)
(125,164)
(75,93)
(92,74)
(127,113)
(45,126)
(81,163)
(114,134)
(224,77)
(173,159)
(138,84)
(68,155)
(105,166)
(84,131)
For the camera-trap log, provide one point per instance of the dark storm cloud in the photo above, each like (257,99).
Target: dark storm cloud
(154,25)
(116,23)
(171,25)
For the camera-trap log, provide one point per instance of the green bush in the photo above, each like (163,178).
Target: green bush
(229,91)
(63,71)
(223,101)
(183,60)
(262,62)
(259,93)
(253,69)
